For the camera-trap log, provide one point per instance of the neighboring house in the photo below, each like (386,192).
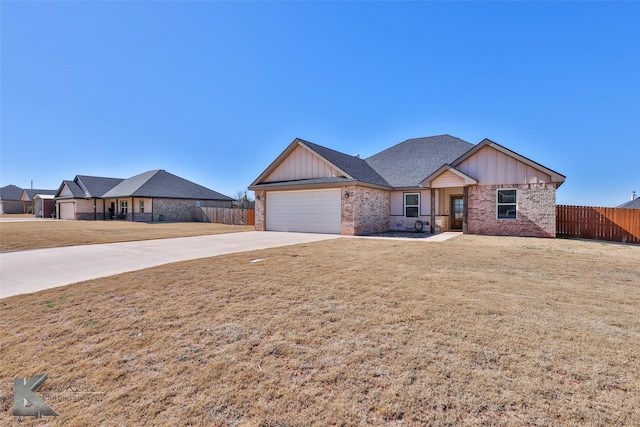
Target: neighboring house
(10,202)
(440,183)
(152,195)
(634,203)
(39,202)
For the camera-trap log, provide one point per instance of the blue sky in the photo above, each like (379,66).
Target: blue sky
(214,91)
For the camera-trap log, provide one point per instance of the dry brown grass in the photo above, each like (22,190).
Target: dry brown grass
(473,331)
(20,236)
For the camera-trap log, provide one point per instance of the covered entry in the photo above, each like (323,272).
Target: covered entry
(312,211)
(451,187)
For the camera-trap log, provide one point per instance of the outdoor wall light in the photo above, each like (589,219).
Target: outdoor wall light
(258,197)
(346,194)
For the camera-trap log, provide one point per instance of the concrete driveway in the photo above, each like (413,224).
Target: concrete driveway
(31,271)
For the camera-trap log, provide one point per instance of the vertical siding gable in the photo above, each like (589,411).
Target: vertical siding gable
(65,191)
(491,167)
(447,179)
(302,164)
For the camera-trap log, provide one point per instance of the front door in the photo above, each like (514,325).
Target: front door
(457,212)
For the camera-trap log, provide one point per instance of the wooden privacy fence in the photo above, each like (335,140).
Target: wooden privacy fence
(588,222)
(226,216)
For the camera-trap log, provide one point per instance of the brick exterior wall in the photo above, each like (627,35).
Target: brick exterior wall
(536,211)
(259,207)
(84,209)
(366,210)
(181,210)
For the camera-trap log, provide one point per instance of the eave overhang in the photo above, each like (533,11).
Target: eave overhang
(468,180)
(314,183)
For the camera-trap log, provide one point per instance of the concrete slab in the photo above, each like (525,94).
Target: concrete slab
(31,271)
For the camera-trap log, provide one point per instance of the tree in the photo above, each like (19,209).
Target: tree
(243,201)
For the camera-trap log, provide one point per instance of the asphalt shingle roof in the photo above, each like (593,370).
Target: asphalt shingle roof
(10,192)
(408,163)
(32,192)
(96,186)
(354,166)
(75,189)
(160,183)
(631,204)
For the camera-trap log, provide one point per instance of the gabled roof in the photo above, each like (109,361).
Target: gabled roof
(356,167)
(76,191)
(411,164)
(87,187)
(468,180)
(96,186)
(353,168)
(408,163)
(555,176)
(160,183)
(10,192)
(31,193)
(631,204)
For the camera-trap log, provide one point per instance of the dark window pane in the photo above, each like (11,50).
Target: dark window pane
(507,211)
(411,199)
(506,196)
(411,212)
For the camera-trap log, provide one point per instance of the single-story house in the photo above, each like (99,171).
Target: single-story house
(10,202)
(39,202)
(440,183)
(149,196)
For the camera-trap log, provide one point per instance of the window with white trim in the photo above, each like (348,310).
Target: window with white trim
(506,201)
(141,206)
(412,205)
(124,207)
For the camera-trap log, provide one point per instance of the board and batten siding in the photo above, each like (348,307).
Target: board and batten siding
(447,179)
(302,164)
(491,167)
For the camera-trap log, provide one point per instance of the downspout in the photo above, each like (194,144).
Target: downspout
(133,209)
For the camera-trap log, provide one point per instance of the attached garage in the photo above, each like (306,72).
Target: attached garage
(66,210)
(311,211)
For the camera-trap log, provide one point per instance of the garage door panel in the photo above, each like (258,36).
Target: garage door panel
(67,210)
(314,211)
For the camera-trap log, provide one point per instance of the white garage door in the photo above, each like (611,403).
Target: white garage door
(312,211)
(66,210)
